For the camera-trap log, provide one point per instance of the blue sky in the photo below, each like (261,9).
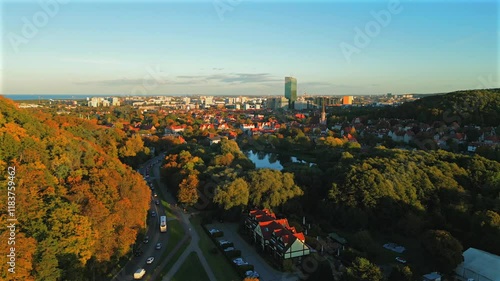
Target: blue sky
(247,47)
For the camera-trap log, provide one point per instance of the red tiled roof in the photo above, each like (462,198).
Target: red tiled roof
(492,138)
(269,225)
(264,214)
(300,236)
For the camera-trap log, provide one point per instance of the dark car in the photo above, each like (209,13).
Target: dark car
(157,202)
(146,240)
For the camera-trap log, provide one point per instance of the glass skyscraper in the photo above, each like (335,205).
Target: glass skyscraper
(291,91)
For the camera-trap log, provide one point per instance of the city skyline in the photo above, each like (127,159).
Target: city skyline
(246,48)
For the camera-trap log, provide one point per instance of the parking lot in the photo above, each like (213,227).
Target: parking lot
(249,254)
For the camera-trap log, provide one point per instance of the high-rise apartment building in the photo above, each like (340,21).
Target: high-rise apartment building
(277,103)
(291,91)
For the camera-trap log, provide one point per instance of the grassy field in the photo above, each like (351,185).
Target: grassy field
(176,233)
(174,258)
(191,269)
(221,268)
(168,210)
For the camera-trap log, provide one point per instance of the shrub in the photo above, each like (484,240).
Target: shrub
(218,234)
(233,254)
(242,269)
(288,265)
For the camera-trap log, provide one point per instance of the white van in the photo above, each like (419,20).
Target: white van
(139,273)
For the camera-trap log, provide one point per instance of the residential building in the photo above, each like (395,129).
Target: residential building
(276,236)
(246,127)
(177,129)
(347,100)
(277,103)
(215,139)
(115,101)
(479,265)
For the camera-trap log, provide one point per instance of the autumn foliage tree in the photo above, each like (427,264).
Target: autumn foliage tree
(188,190)
(73,195)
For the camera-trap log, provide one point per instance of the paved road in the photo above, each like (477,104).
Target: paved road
(190,234)
(249,254)
(193,247)
(127,272)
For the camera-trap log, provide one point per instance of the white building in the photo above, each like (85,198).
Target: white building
(115,101)
(479,266)
(208,100)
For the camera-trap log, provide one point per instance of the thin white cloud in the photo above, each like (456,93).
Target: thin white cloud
(91,61)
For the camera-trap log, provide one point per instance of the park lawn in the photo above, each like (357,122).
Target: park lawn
(176,234)
(191,269)
(168,210)
(220,266)
(174,258)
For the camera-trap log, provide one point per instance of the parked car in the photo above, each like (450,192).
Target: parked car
(157,202)
(223,242)
(401,260)
(150,260)
(153,213)
(240,261)
(228,249)
(158,246)
(213,231)
(146,239)
(252,274)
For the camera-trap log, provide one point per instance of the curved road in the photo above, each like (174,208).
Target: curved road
(193,246)
(190,234)
(153,231)
(153,270)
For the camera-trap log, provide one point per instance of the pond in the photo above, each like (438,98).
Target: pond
(271,160)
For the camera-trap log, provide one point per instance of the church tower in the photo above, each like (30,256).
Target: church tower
(322,120)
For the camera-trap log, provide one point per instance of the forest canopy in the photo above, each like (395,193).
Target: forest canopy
(73,195)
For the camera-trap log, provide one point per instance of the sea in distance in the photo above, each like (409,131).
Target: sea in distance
(53,97)
(71,96)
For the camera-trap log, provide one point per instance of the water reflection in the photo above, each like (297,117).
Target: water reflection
(271,160)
